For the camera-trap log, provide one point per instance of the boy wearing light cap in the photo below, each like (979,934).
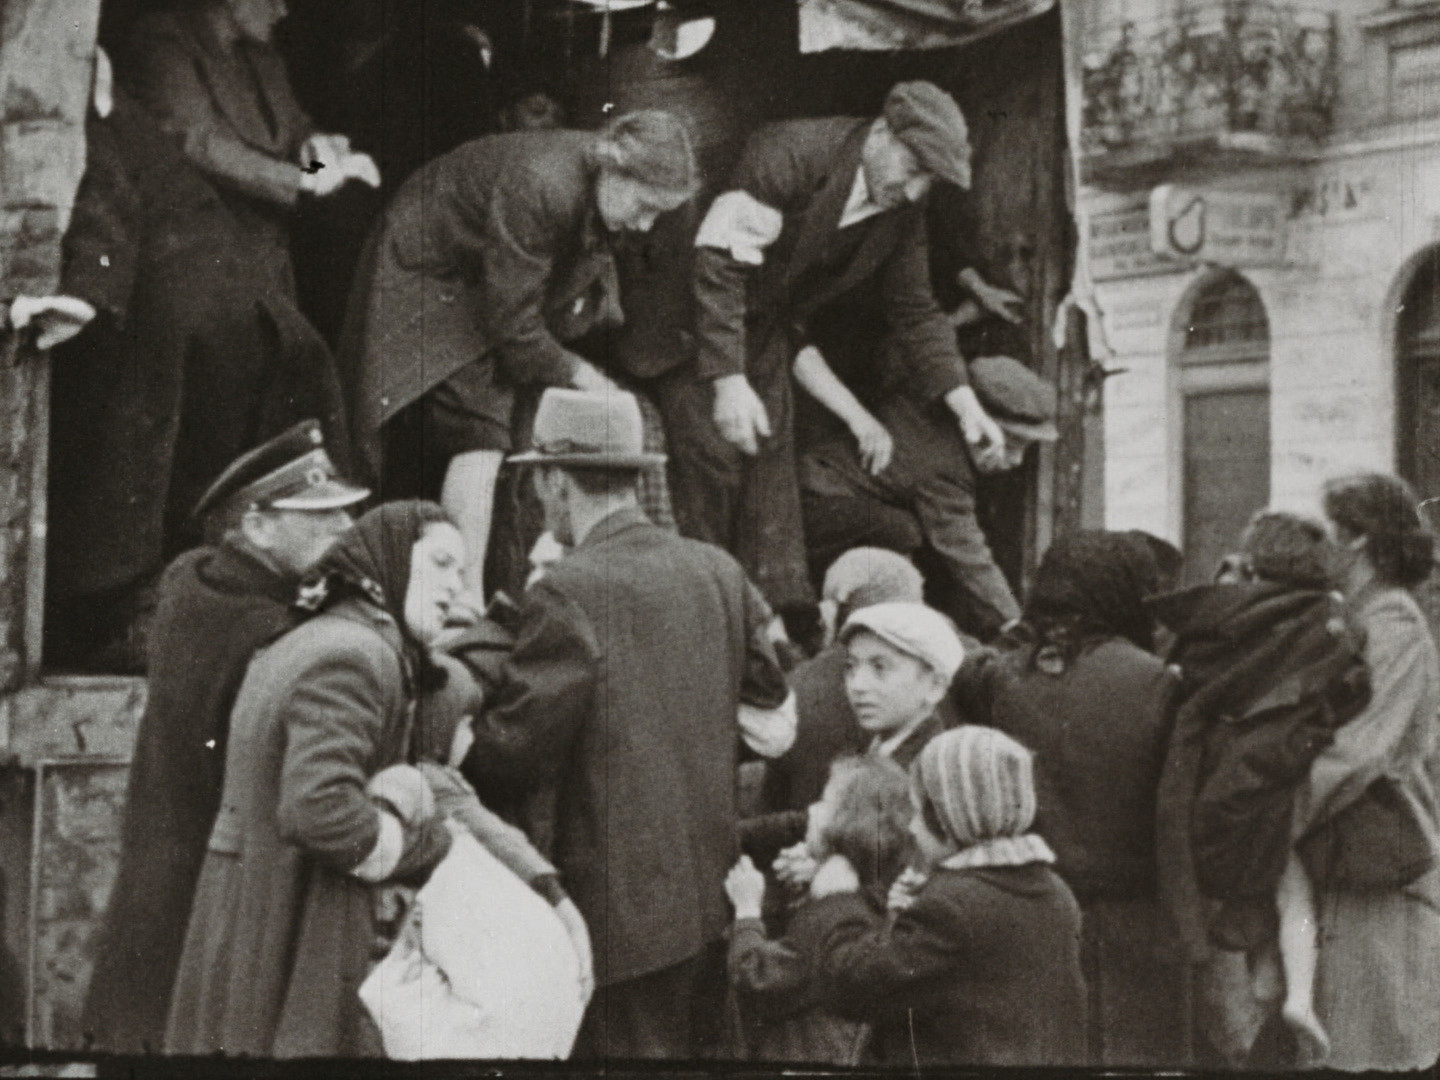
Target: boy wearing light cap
(899,664)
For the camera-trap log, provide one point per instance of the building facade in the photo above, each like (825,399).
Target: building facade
(1260,221)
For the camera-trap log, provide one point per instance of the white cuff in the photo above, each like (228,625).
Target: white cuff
(769,732)
(385,855)
(742,225)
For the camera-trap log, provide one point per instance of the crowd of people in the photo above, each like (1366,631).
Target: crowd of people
(462,776)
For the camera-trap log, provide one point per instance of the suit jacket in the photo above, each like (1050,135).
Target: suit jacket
(216,607)
(231,106)
(496,247)
(635,652)
(805,170)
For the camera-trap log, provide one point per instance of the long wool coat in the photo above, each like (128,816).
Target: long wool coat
(491,254)
(280,932)
(621,698)
(753,320)
(216,607)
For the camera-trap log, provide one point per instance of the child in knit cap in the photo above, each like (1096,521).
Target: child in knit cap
(980,964)
(861,816)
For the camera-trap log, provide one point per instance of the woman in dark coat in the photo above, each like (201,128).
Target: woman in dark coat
(283,922)
(488,259)
(1092,702)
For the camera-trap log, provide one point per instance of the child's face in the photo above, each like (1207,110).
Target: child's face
(886,687)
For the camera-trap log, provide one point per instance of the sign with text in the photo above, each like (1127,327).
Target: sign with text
(1119,245)
(1231,228)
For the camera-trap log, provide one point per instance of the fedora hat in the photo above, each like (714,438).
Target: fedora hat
(580,429)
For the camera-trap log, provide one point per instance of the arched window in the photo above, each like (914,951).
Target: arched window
(1418,378)
(1222,356)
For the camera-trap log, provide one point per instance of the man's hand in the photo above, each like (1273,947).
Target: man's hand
(56,319)
(740,414)
(795,865)
(982,433)
(876,446)
(835,876)
(999,302)
(745,886)
(588,377)
(579,933)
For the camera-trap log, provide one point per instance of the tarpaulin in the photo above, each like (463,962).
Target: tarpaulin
(907,24)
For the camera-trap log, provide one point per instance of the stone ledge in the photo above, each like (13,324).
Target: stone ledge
(72,718)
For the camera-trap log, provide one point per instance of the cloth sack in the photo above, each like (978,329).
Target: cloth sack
(1374,843)
(483,970)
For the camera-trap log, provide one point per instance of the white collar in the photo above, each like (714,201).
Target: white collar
(859,205)
(887,747)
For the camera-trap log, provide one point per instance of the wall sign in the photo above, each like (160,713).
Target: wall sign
(1231,228)
(1119,245)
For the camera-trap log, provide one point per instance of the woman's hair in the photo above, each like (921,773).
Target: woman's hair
(872,812)
(1382,509)
(652,147)
(1090,584)
(1287,548)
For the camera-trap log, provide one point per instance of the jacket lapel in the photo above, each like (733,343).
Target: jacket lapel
(821,219)
(231,87)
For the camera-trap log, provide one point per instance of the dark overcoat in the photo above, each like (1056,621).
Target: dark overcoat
(492,254)
(753,320)
(231,109)
(634,654)
(280,932)
(191,360)
(216,607)
(983,969)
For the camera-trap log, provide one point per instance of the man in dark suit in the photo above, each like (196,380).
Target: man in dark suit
(815,209)
(642,664)
(209,73)
(272,514)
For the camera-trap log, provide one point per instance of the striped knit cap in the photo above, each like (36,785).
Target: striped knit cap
(980,782)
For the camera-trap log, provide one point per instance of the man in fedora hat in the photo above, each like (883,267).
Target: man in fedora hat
(931,477)
(641,665)
(816,209)
(269,517)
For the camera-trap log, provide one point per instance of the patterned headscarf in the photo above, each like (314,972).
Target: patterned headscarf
(980,784)
(1090,584)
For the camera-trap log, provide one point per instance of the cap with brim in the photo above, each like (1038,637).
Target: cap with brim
(290,472)
(580,429)
(927,120)
(914,629)
(1042,432)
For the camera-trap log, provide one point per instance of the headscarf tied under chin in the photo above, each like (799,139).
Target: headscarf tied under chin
(1092,584)
(372,560)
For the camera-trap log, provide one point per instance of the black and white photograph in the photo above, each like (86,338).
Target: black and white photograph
(582,537)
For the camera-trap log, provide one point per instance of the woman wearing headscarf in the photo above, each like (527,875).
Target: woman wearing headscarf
(284,918)
(1088,697)
(1367,817)
(487,260)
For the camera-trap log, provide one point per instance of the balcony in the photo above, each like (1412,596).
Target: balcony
(1218,84)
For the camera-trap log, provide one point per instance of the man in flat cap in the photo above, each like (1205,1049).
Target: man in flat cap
(641,665)
(815,209)
(931,477)
(269,518)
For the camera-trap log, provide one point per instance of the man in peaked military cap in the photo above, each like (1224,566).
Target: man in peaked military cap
(269,518)
(815,209)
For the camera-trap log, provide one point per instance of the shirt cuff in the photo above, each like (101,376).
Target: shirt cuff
(385,855)
(769,732)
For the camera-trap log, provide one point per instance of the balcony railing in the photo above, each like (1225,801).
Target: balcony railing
(1242,77)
